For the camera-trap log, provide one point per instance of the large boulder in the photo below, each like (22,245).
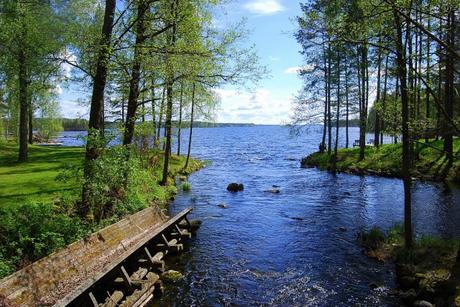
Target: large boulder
(235,187)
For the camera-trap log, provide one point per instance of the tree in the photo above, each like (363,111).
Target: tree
(97,101)
(31,32)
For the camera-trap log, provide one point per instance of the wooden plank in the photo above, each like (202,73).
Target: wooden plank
(87,284)
(93,299)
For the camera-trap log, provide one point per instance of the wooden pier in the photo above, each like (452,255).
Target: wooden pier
(131,277)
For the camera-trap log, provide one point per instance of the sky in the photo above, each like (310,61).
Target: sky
(271,26)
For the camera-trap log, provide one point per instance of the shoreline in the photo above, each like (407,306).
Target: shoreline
(426,275)
(385,161)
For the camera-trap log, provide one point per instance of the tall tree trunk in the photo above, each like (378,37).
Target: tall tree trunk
(142,9)
(189,151)
(154,121)
(406,164)
(123,110)
(160,116)
(428,63)
(323,142)
(336,146)
(169,96)
(97,101)
(180,117)
(329,113)
(347,119)
(377,100)
(23,107)
(364,102)
(449,89)
(31,119)
(384,101)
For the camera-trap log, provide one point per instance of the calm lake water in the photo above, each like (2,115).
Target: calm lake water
(290,249)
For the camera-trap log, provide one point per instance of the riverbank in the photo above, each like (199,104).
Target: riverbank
(385,161)
(429,272)
(37,199)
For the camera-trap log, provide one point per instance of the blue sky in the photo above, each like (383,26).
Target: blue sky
(271,25)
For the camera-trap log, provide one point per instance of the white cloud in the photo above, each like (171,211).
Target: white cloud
(297,69)
(264,7)
(261,107)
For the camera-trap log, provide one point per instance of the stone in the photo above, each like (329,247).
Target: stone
(373,285)
(172,276)
(222,205)
(422,304)
(343,229)
(235,187)
(273,191)
(195,224)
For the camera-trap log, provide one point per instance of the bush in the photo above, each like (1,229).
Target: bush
(186,186)
(29,232)
(373,239)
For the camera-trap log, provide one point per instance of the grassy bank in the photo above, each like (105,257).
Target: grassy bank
(37,198)
(429,164)
(429,271)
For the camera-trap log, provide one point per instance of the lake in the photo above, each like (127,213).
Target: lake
(298,247)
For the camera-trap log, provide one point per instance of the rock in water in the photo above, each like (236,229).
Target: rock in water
(222,205)
(172,276)
(235,187)
(195,224)
(274,191)
(422,304)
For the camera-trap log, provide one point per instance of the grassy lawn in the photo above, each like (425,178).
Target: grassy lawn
(430,163)
(35,180)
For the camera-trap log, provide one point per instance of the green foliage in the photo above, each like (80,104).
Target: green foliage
(372,239)
(186,186)
(31,231)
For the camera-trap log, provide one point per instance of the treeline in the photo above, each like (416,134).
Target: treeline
(69,124)
(400,56)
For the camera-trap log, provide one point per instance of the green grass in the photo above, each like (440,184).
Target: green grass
(430,164)
(35,180)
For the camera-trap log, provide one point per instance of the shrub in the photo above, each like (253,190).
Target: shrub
(186,186)
(29,232)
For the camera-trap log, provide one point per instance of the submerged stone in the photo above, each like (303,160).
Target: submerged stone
(422,304)
(273,191)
